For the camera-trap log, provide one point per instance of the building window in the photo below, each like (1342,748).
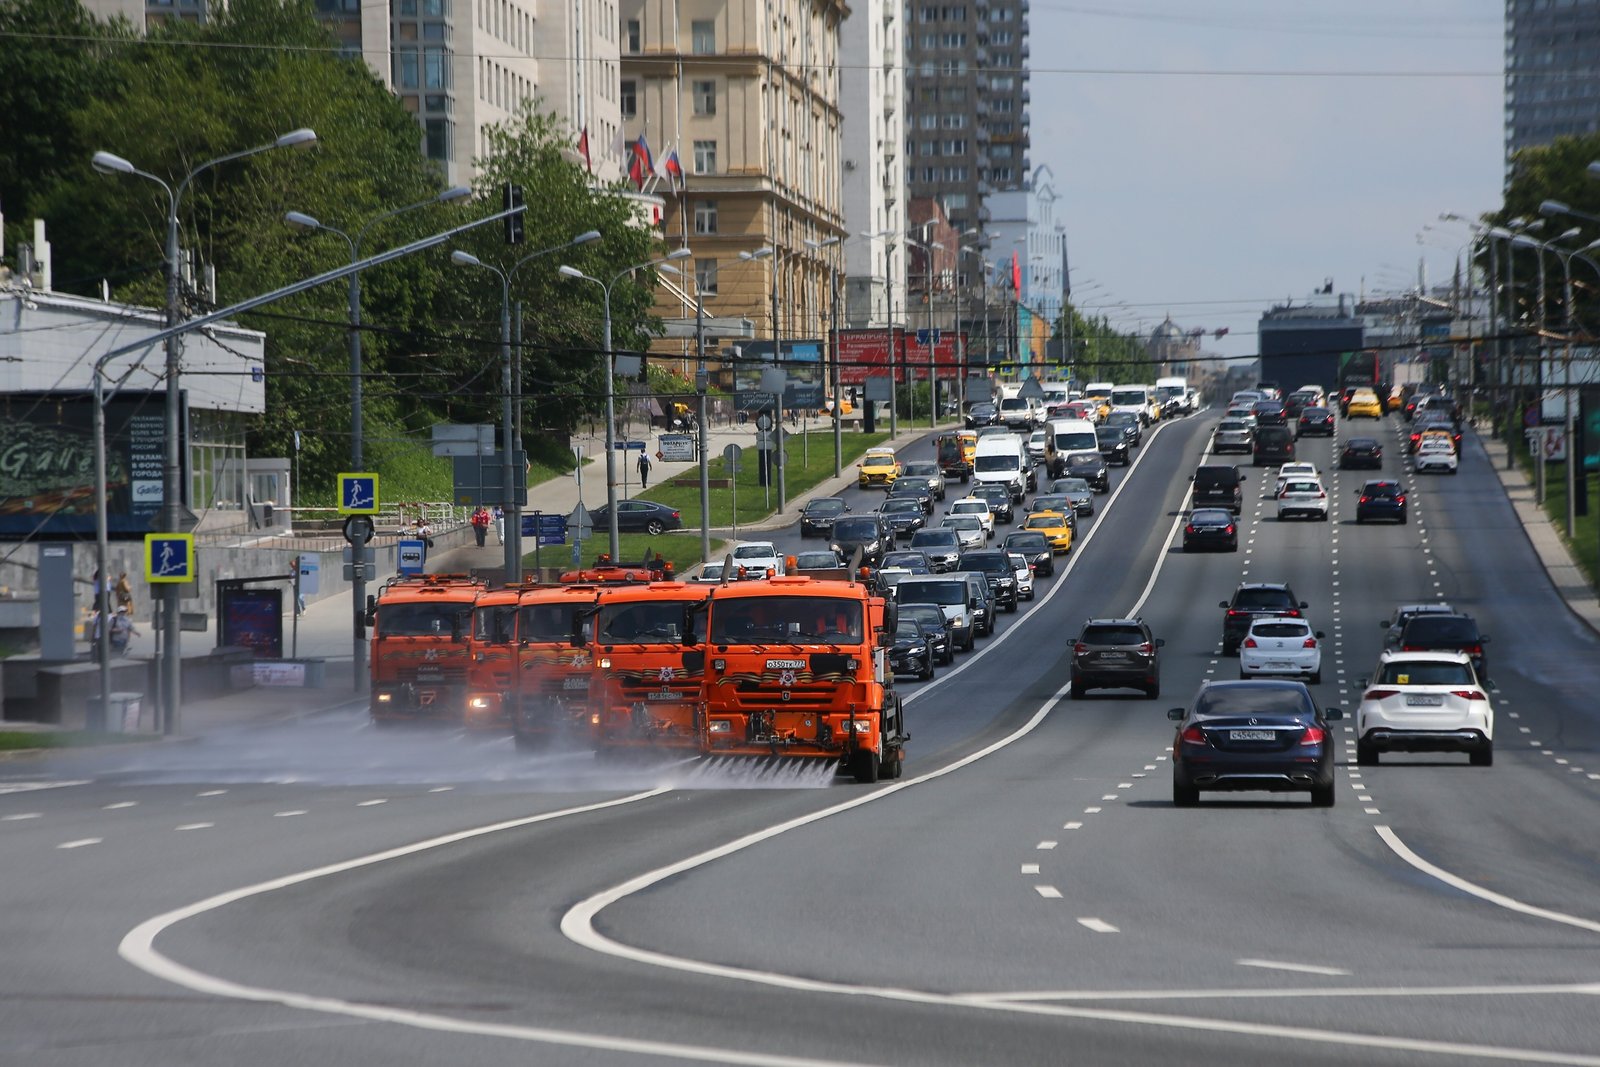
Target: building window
(953,66)
(955,148)
(956,121)
(927,120)
(703,37)
(1001,174)
(705,216)
(437,136)
(628,101)
(705,157)
(407,73)
(705,276)
(635,35)
(1002,83)
(436,68)
(955,202)
(705,98)
(953,40)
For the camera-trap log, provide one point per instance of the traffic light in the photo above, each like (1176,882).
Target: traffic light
(511,197)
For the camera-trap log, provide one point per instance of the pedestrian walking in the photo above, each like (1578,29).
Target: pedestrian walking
(644,470)
(499,526)
(121,630)
(480,525)
(124,591)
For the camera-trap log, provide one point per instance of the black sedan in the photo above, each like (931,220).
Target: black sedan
(1091,467)
(912,651)
(1253,735)
(638,516)
(1035,548)
(981,415)
(1113,444)
(935,625)
(909,560)
(995,565)
(1211,529)
(819,515)
(997,497)
(1315,422)
(1381,499)
(866,532)
(1362,452)
(914,490)
(1130,426)
(903,515)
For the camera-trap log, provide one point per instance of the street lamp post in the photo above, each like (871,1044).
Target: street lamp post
(611,391)
(510,440)
(358,581)
(173,513)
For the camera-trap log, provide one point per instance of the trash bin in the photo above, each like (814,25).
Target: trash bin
(120,715)
(316,673)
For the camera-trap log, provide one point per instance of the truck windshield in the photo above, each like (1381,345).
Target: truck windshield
(548,623)
(1128,397)
(1082,441)
(645,622)
(788,619)
(433,619)
(994,464)
(494,625)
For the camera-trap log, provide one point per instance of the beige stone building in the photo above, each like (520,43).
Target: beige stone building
(748,97)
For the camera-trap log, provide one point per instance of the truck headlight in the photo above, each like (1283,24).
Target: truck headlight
(720,726)
(384,698)
(605,663)
(862,726)
(478,703)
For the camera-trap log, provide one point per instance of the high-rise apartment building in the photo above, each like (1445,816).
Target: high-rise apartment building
(1552,71)
(872,82)
(748,97)
(967,87)
(460,66)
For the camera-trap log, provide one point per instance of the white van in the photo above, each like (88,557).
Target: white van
(1066,436)
(1139,399)
(1174,395)
(1002,459)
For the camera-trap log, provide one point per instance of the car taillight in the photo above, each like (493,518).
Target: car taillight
(1079,649)
(1311,642)
(1468,694)
(1380,694)
(676,515)
(1322,494)
(1293,612)
(1250,642)
(1366,499)
(1412,648)
(1189,529)
(1229,528)
(1193,735)
(1146,649)
(1314,735)
(1235,614)
(1474,650)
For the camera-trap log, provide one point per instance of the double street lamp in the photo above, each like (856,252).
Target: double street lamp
(358,582)
(611,386)
(173,514)
(509,442)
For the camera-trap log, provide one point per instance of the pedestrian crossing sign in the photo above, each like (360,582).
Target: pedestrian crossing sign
(358,494)
(169,557)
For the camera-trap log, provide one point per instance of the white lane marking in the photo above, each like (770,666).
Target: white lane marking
(211,793)
(1049,892)
(1045,846)
(1127,785)
(1099,926)
(138,948)
(1109,796)
(119,805)
(1029,868)
(195,826)
(1372,811)
(1526,729)
(1561,762)
(371,803)
(1091,811)
(1301,968)
(1364,800)
(1149,766)
(30,787)
(1400,849)
(81,842)
(288,814)
(1071,825)
(19,816)
(1000,1000)
(441,789)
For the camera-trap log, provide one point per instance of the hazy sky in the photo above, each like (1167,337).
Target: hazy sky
(1247,150)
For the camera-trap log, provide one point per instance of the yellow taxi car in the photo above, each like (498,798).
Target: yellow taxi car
(1054,526)
(879,467)
(1364,403)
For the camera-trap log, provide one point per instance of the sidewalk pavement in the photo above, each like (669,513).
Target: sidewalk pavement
(1565,574)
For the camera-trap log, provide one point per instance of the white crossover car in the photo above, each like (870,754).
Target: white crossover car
(1436,454)
(1425,702)
(972,505)
(1303,496)
(1281,646)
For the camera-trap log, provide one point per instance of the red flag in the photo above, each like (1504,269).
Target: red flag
(583,149)
(1016,273)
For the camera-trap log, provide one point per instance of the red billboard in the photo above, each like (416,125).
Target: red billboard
(863,352)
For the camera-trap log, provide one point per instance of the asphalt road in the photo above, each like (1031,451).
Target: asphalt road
(320,892)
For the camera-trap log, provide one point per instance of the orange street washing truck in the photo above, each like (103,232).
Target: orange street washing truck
(647,692)
(421,658)
(797,667)
(956,453)
(549,699)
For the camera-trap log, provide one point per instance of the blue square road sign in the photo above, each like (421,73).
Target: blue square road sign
(169,558)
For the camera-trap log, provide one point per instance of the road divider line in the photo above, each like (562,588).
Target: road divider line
(1300,968)
(1488,896)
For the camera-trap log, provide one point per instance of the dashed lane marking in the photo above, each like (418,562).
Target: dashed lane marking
(119,805)
(211,793)
(1030,868)
(1045,846)
(1099,926)
(19,816)
(288,814)
(1071,825)
(1049,892)
(1299,968)
(371,803)
(195,826)
(82,842)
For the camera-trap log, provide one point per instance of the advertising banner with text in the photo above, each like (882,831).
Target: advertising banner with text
(47,464)
(866,352)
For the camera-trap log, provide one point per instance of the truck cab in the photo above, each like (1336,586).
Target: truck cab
(798,667)
(421,658)
(548,703)
(648,651)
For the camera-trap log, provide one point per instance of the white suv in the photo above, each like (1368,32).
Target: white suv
(757,558)
(1425,702)
(1303,496)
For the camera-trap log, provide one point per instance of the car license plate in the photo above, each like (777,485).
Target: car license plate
(1113,655)
(1280,665)
(1252,735)
(1424,700)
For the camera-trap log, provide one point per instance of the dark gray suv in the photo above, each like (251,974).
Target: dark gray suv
(1116,654)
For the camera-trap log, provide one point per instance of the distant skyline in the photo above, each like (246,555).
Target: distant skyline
(1216,157)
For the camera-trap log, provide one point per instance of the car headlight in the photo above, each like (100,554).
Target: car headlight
(919,650)
(961,620)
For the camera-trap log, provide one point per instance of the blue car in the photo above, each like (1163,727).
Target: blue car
(1253,735)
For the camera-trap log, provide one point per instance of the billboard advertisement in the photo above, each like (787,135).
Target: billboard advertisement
(252,618)
(866,352)
(47,464)
(802,361)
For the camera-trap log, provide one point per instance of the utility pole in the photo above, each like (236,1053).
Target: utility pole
(701,382)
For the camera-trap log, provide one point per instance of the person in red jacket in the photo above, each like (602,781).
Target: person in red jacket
(480,524)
